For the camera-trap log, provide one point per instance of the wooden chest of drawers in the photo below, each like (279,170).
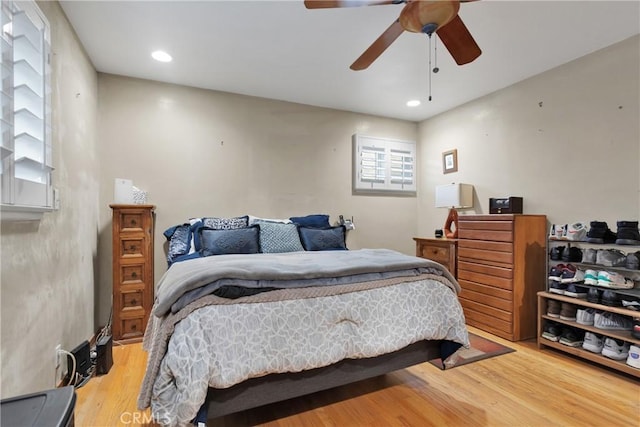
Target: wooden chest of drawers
(439,250)
(501,267)
(132,270)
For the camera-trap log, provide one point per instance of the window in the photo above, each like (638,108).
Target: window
(25,170)
(383,165)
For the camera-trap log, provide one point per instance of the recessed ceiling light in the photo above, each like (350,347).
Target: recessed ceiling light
(161,56)
(413,103)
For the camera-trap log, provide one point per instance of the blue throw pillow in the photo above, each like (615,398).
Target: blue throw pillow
(224,242)
(316,221)
(323,239)
(226,223)
(277,237)
(179,237)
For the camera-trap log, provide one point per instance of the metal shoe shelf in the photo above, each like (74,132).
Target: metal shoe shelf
(544,296)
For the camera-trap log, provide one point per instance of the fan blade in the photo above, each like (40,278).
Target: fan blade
(458,41)
(322,4)
(378,46)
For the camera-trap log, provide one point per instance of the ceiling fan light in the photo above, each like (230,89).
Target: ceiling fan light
(162,56)
(413,103)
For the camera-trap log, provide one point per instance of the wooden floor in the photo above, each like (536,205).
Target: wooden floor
(529,387)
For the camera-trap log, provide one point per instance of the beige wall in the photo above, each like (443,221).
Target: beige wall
(48,267)
(566,140)
(204,153)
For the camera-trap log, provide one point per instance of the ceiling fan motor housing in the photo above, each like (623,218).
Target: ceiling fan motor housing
(428,16)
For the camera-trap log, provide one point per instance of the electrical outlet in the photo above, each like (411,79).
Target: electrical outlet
(59,371)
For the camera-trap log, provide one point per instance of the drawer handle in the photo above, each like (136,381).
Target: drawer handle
(132,248)
(134,274)
(133,222)
(133,301)
(133,327)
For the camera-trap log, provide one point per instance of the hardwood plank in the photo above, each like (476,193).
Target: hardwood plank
(528,387)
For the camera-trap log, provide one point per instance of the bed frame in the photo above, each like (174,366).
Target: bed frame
(278,387)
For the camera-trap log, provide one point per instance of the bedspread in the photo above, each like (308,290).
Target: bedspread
(218,343)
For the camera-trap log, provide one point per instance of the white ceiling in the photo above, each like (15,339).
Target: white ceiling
(281,50)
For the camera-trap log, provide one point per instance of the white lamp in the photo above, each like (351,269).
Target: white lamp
(453,196)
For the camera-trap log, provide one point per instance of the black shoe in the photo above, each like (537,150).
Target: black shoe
(633,261)
(628,233)
(593,295)
(599,233)
(572,254)
(611,299)
(556,253)
(636,328)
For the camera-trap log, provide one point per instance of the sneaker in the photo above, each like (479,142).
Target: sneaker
(556,253)
(553,308)
(634,356)
(631,305)
(614,280)
(591,277)
(599,233)
(585,316)
(551,331)
(568,311)
(611,298)
(572,337)
(576,291)
(556,232)
(593,295)
(611,258)
(635,332)
(593,342)
(557,287)
(576,232)
(615,349)
(572,254)
(633,261)
(555,273)
(628,233)
(572,276)
(612,321)
(589,256)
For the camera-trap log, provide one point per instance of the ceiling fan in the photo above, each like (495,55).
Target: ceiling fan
(417,16)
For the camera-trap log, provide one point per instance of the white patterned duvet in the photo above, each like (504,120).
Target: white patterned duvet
(222,345)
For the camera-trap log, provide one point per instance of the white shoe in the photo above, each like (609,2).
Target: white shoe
(576,232)
(593,342)
(634,356)
(615,349)
(614,280)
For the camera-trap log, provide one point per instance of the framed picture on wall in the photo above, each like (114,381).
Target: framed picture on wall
(450,161)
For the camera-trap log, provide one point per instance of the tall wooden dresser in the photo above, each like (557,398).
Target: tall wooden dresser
(501,267)
(132,270)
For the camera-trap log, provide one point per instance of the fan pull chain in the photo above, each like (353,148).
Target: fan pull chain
(429,66)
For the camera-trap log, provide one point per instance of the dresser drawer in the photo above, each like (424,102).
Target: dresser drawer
(470,254)
(132,246)
(487,318)
(436,253)
(132,299)
(132,328)
(132,274)
(487,295)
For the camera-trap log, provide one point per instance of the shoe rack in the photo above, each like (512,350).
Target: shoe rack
(545,296)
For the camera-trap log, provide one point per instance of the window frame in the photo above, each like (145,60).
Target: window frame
(377,155)
(26,189)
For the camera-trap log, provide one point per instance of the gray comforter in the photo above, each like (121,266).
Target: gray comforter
(189,280)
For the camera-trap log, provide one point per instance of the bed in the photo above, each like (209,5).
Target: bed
(234,329)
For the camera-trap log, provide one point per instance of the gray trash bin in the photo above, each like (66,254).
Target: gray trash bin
(50,408)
